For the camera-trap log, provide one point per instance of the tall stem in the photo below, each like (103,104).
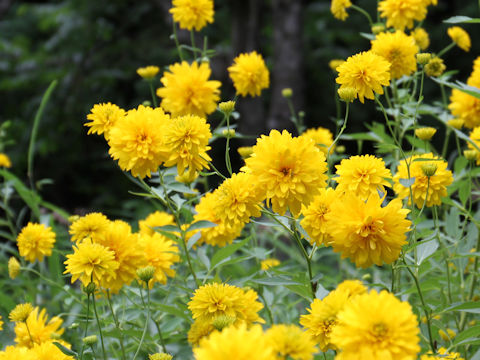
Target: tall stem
(146,324)
(305,255)
(99,327)
(117,325)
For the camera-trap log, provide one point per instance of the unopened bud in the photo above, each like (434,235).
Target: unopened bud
(245,151)
(347,94)
(90,340)
(423,58)
(160,356)
(227,107)
(429,168)
(456,123)
(287,93)
(378,28)
(222,321)
(470,155)
(435,67)
(90,288)
(425,133)
(13,268)
(146,274)
(228,132)
(340,149)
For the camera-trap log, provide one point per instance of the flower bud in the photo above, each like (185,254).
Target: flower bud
(160,356)
(423,58)
(90,340)
(148,72)
(89,289)
(425,133)
(228,132)
(227,107)
(287,93)
(146,274)
(222,321)
(245,151)
(429,168)
(378,28)
(13,268)
(347,94)
(470,155)
(435,67)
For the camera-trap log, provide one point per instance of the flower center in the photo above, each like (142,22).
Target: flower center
(286,171)
(379,331)
(370,227)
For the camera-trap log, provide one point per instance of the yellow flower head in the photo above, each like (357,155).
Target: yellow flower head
(460,37)
(186,143)
(235,343)
(269,263)
(148,72)
(160,356)
(362,175)
(221,234)
(103,117)
(16,352)
(352,287)
(199,330)
(436,184)
(91,226)
(399,50)
(35,241)
(455,123)
(401,14)
(191,14)
(249,74)
(376,326)
(49,351)
(465,107)
(157,218)
(128,254)
(245,151)
(1,323)
(322,137)
(474,78)
(442,354)
(368,233)
(227,107)
(91,262)
(422,40)
(162,254)
(13,268)
(339,8)
(366,73)
(435,67)
(20,312)
(136,141)
(475,137)
(290,341)
(213,300)
(187,90)
(5,161)
(314,221)
(425,133)
(237,200)
(322,318)
(290,170)
(41,329)
(334,63)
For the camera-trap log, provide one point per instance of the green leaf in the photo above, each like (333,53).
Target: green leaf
(460,163)
(464,193)
(425,249)
(226,251)
(461,19)
(65,350)
(30,197)
(276,280)
(202,224)
(470,90)
(471,307)
(173,310)
(407,182)
(471,333)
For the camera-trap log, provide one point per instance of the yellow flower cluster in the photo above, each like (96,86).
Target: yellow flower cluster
(402,14)
(35,241)
(192,14)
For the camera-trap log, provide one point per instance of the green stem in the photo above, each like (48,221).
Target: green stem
(162,342)
(364,13)
(177,44)
(152,91)
(305,255)
(99,327)
(447,48)
(335,141)
(228,163)
(146,325)
(117,325)
(445,143)
(29,334)
(192,39)
(86,325)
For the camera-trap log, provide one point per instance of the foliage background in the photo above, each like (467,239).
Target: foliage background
(93,48)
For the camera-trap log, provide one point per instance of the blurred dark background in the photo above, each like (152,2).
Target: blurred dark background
(94,47)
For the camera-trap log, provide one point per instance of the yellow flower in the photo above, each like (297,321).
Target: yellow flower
(148,72)
(314,221)
(235,343)
(338,8)
(455,123)
(91,226)
(322,137)
(368,233)
(447,335)
(347,94)
(425,133)
(128,254)
(186,143)
(161,253)
(20,353)
(91,262)
(421,38)
(269,263)
(289,341)
(20,312)
(187,90)
(103,117)
(474,78)
(160,356)
(401,14)
(334,63)
(437,184)
(376,326)
(35,241)
(423,58)
(322,318)
(5,161)
(249,74)
(442,354)
(212,300)
(136,141)
(199,330)
(13,268)
(237,200)
(460,37)
(1,323)
(366,73)
(465,107)
(157,218)
(41,329)
(435,67)
(221,234)
(399,50)
(290,170)
(227,107)
(475,137)
(245,151)
(191,14)
(48,351)
(362,175)
(352,287)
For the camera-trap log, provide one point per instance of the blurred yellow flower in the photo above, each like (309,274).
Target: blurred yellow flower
(290,342)
(314,221)
(198,330)
(339,8)
(249,74)
(460,37)
(20,312)
(40,328)
(425,133)
(435,67)
(475,137)
(269,263)
(442,354)
(13,268)
(465,107)
(5,161)
(334,63)
(35,241)
(187,90)
(322,137)
(148,72)
(157,218)
(421,38)
(192,14)
(401,14)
